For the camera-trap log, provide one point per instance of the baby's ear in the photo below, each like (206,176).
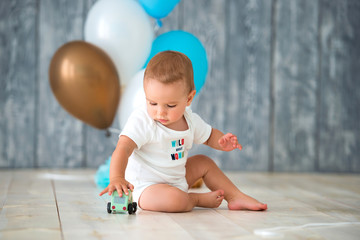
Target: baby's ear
(191,97)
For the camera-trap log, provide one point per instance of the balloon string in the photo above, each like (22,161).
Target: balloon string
(158,24)
(109,131)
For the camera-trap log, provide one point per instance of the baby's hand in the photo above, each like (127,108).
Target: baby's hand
(229,142)
(120,185)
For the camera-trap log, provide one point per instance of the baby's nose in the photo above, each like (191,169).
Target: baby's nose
(161,112)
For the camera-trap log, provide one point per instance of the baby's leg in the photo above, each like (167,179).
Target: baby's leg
(166,198)
(201,166)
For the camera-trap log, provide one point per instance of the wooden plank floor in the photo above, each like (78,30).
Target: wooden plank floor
(64,204)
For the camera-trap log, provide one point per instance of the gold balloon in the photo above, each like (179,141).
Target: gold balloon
(85,82)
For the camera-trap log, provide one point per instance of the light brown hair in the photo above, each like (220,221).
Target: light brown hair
(170,66)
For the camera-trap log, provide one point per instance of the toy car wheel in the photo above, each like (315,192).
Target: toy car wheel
(134,207)
(109,207)
(130,209)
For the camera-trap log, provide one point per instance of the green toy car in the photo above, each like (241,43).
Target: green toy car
(121,204)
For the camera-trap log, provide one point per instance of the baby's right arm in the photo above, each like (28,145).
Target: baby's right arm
(119,160)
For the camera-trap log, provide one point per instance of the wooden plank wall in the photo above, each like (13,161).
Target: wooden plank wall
(283,76)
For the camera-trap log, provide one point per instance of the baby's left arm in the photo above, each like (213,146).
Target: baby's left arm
(225,142)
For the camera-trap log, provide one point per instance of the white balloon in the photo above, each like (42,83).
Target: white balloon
(123,30)
(132,98)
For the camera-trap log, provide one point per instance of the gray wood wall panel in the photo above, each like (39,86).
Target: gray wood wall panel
(339,142)
(213,37)
(295,71)
(60,136)
(247,92)
(283,76)
(18,85)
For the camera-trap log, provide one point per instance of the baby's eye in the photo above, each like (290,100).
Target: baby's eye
(171,106)
(152,103)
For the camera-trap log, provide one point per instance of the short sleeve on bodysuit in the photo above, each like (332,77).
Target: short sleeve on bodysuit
(138,127)
(202,129)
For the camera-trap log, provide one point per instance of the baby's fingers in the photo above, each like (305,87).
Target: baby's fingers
(228,136)
(131,187)
(104,191)
(233,139)
(125,189)
(119,189)
(235,143)
(111,189)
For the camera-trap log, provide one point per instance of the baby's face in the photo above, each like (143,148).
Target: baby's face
(166,103)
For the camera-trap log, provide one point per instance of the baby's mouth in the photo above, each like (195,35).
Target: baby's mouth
(162,121)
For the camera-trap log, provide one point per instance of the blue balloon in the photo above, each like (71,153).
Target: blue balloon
(158,8)
(187,44)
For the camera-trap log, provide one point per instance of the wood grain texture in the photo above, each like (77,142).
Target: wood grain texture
(60,136)
(248,82)
(283,76)
(18,82)
(339,142)
(213,38)
(58,204)
(295,66)
(29,208)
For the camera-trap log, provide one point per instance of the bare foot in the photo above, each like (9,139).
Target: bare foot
(245,202)
(210,199)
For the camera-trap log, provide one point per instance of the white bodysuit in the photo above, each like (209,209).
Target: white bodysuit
(161,153)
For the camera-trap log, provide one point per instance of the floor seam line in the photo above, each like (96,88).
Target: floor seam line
(57,209)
